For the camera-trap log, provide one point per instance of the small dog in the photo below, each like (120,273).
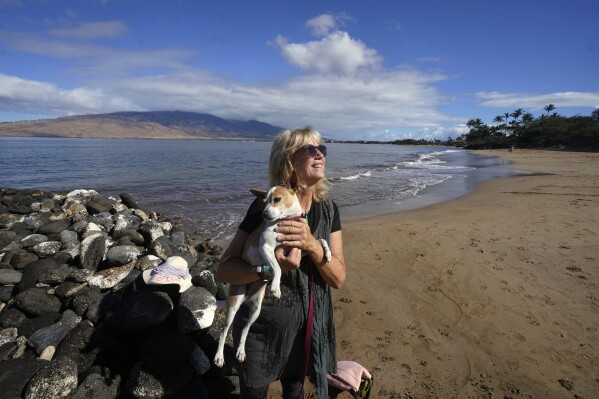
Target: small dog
(281,203)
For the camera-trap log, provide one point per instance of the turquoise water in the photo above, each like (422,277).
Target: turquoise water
(206,183)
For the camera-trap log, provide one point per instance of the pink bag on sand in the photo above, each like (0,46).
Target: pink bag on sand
(351,377)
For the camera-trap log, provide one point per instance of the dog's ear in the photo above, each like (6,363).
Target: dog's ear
(259,193)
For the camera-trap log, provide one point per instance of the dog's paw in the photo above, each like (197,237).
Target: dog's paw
(240,355)
(219,360)
(325,247)
(276,292)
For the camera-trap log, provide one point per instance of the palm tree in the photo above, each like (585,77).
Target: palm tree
(476,132)
(527,118)
(474,123)
(498,119)
(516,114)
(549,108)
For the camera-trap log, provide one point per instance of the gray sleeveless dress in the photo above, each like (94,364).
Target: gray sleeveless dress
(275,343)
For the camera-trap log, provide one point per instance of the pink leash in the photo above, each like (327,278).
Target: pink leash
(308,329)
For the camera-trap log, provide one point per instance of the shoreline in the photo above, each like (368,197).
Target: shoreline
(434,194)
(492,293)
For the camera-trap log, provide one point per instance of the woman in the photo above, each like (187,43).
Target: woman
(275,345)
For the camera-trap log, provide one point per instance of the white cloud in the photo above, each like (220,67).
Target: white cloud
(324,24)
(92,30)
(343,105)
(96,60)
(334,53)
(338,106)
(20,95)
(538,101)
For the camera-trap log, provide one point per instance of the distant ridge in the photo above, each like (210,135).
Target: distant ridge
(151,124)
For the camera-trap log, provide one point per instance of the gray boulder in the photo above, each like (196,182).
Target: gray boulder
(97,386)
(33,239)
(196,310)
(36,302)
(22,259)
(131,234)
(151,230)
(162,247)
(84,298)
(86,345)
(9,276)
(46,249)
(52,335)
(33,271)
(142,384)
(54,227)
(68,237)
(56,379)
(92,251)
(120,255)
(98,204)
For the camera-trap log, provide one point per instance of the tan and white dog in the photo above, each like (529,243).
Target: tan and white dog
(281,203)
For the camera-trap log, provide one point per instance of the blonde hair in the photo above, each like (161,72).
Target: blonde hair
(280,166)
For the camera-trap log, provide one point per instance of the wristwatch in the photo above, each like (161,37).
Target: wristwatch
(264,272)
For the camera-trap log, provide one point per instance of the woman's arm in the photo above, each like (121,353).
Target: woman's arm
(234,270)
(333,272)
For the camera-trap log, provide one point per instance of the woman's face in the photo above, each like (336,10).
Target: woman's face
(310,170)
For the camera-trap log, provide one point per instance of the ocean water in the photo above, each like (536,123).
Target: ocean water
(206,183)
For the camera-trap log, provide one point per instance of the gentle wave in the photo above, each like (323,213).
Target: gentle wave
(354,177)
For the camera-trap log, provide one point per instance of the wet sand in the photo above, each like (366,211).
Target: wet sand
(491,295)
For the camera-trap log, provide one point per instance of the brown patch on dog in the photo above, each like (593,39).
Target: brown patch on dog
(285,194)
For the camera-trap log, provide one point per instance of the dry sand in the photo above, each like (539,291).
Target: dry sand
(491,295)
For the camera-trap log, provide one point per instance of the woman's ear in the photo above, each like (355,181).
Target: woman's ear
(259,193)
(293,181)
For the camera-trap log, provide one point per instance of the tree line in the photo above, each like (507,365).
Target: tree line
(521,129)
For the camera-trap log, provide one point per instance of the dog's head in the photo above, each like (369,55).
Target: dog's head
(281,203)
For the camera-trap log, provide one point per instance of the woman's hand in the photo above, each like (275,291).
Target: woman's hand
(296,234)
(288,258)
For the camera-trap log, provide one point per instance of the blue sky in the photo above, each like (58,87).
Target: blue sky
(353,69)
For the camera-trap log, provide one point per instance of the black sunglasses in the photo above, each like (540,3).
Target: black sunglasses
(311,149)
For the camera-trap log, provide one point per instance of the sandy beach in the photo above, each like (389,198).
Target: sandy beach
(491,295)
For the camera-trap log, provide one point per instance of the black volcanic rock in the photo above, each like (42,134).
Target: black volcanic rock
(89,322)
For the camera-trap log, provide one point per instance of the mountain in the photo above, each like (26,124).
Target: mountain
(152,124)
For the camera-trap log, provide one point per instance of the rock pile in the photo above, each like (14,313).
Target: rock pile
(77,319)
